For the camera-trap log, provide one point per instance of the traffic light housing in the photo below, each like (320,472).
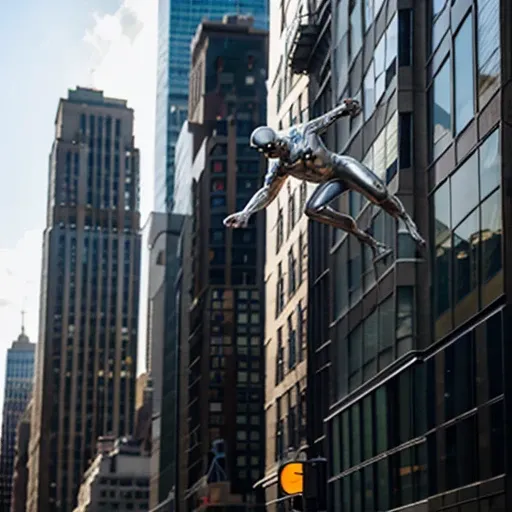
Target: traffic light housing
(306,484)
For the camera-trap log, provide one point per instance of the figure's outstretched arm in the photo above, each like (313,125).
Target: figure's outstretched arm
(274,180)
(349,107)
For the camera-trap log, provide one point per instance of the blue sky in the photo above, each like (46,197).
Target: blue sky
(49,47)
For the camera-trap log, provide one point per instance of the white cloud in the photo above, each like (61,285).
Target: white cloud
(123,52)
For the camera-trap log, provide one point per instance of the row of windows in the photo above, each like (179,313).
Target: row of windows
(384,335)
(290,429)
(467,228)
(296,343)
(296,274)
(100,124)
(451,113)
(293,215)
(465,375)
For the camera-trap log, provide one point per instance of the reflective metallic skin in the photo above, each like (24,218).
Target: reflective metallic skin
(301,153)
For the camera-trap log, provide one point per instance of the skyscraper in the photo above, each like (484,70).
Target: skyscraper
(178,20)
(226,360)
(19,374)
(410,396)
(86,359)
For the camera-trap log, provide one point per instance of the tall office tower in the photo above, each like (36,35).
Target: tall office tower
(170,382)
(19,376)
(410,376)
(164,235)
(177,23)
(226,361)
(87,355)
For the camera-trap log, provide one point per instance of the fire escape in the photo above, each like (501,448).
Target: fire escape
(310,36)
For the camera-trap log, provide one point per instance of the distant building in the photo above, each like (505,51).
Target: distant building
(116,480)
(177,23)
(87,355)
(20,478)
(227,101)
(19,375)
(162,350)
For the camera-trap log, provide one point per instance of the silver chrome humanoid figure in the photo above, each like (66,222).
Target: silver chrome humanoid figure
(301,153)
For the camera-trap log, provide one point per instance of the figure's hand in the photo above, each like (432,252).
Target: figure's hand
(237,220)
(353,107)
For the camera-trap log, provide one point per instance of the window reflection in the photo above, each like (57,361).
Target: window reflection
(491,233)
(368,13)
(465,248)
(465,188)
(391,49)
(356,29)
(377,6)
(437,7)
(488,43)
(464,73)
(369,92)
(380,68)
(441,110)
(490,164)
(442,222)
(404,314)
(379,155)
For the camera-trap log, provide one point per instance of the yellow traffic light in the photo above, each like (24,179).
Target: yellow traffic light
(291,478)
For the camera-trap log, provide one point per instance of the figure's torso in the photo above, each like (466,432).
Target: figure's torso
(309,159)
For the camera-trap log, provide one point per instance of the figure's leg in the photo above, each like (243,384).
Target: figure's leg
(317,208)
(369,184)
(395,208)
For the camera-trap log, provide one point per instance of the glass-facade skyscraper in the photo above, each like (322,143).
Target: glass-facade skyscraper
(177,24)
(408,393)
(18,390)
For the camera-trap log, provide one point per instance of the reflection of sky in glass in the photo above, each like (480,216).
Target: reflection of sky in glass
(437,6)
(442,210)
(380,68)
(392,41)
(441,108)
(464,189)
(490,164)
(464,75)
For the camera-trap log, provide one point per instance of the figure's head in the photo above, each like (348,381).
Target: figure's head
(265,140)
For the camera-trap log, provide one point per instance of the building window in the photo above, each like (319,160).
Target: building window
(279,290)
(440,111)
(301,258)
(291,213)
(488,44)
(279,435)
(279,230)
(292,344)
(356,27)
(303,191)
(292,273)
(301,331)
(279,357)
(405,37)
(404,319)
(218,166)
(467,227)
(464,75)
